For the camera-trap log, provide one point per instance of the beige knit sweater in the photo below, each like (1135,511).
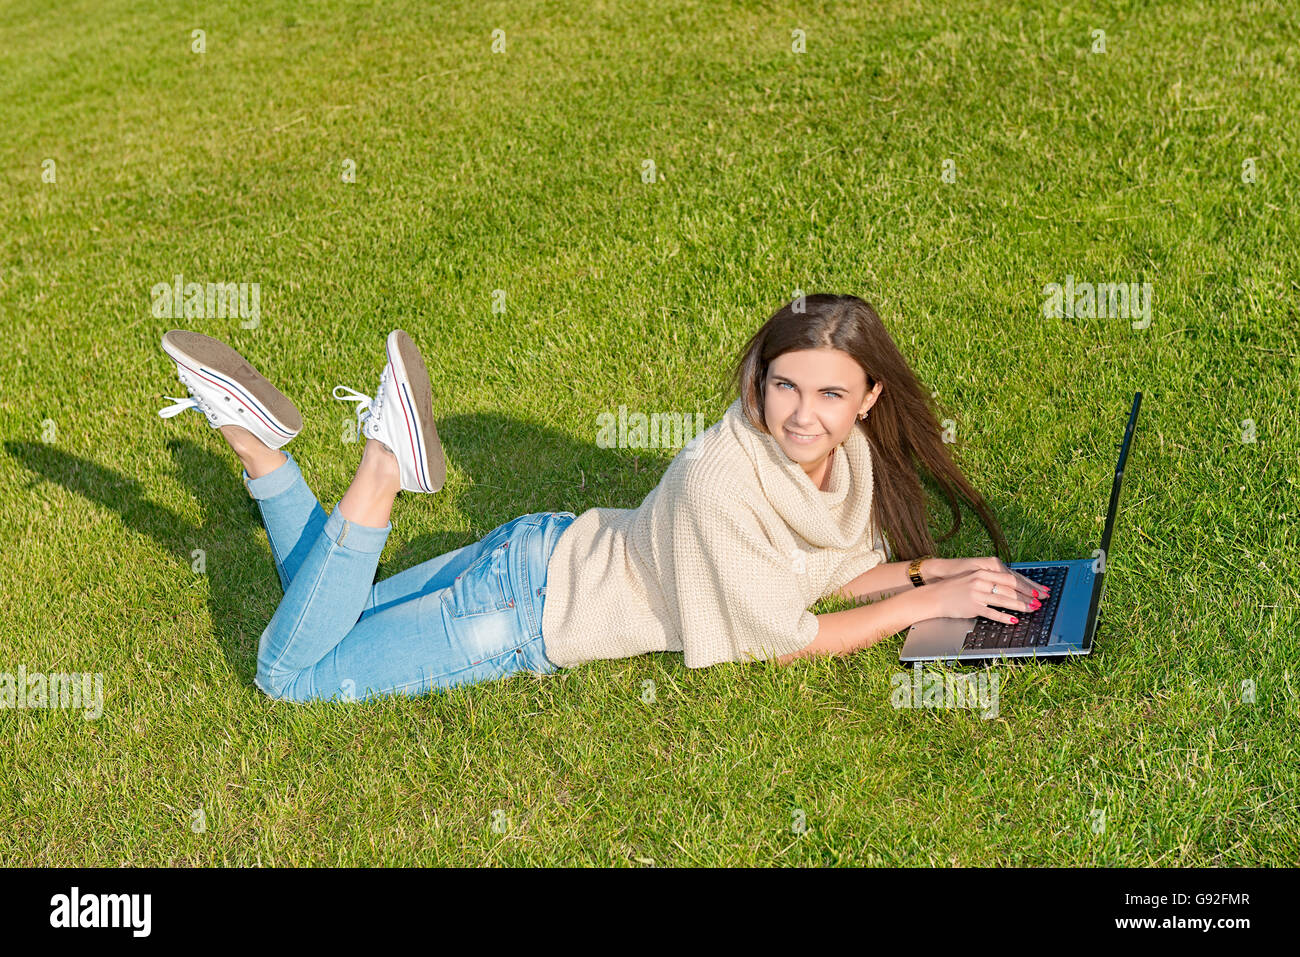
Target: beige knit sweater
(720,561)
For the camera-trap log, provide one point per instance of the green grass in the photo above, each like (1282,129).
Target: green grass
(522,171)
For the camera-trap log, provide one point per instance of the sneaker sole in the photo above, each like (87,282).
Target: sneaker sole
(222,367)
(417,408)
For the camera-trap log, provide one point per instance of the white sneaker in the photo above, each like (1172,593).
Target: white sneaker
(401,416)
(229,391)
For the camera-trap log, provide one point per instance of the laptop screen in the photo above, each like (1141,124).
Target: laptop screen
(1119,477)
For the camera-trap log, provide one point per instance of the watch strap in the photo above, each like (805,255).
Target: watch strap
(914,570)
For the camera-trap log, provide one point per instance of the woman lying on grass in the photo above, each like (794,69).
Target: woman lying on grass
(790,496)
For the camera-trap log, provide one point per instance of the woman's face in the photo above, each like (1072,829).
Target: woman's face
(812,399)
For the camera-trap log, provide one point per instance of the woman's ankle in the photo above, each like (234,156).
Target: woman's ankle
(257,457)
(264,463)
(369,499)
(380,462)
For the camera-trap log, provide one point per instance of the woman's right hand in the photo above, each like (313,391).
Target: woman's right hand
(971,595)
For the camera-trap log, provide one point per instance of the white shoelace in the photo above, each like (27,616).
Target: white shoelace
(181,405)
(364,402)
(191,401)
(368,408)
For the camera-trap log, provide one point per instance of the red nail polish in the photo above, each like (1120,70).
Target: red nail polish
(1035,592)
(1015,620)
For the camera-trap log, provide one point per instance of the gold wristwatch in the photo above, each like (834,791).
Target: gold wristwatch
(914,570)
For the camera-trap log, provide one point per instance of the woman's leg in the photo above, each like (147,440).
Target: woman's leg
(322,602)
(330,583)
(294,517)
(429,576)
(410,648)
(292,514)
(484,626)
(436,625)
(290,510)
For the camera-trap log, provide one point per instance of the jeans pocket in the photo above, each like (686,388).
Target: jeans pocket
(482,588)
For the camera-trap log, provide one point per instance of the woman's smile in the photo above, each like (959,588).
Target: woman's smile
(802,439)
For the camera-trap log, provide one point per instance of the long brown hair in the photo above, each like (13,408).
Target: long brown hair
(902,426)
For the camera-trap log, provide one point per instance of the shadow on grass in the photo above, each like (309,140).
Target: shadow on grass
(227,533)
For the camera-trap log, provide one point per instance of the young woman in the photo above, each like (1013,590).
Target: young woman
(794,493)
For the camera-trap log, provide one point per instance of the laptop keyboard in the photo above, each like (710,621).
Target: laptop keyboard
(1034,628)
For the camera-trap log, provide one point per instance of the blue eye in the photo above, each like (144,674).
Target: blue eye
(833,395)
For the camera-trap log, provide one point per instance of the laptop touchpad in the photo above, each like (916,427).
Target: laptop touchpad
(938,636)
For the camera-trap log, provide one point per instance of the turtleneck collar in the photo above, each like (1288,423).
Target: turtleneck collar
(835,518)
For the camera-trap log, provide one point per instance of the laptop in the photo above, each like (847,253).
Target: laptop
(1064,625)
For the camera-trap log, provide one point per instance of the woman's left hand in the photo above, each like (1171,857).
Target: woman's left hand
(936,569)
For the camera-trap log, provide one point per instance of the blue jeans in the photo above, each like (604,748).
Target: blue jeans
(470,615)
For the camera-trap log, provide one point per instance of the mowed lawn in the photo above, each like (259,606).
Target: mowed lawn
(597,215)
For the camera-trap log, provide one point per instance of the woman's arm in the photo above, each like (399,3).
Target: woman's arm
(889,578)
(844,632)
